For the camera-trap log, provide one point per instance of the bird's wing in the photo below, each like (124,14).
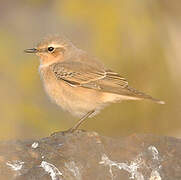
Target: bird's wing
(79,74)
(84,75)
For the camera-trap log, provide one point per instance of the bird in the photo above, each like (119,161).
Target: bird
(78,82)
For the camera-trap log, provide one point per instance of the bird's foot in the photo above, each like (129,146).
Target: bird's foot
(69,131)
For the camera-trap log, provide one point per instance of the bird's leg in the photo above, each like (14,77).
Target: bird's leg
(81,120)
(75,127)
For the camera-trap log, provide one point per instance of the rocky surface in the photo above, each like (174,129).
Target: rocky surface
(90,156)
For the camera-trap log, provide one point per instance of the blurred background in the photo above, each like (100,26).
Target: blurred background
(139,39)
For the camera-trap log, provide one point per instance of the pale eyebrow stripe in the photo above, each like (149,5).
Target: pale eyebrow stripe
(55,45)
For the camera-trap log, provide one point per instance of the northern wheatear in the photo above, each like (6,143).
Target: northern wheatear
(79,83)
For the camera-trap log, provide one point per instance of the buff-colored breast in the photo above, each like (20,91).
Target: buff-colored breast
(77,100)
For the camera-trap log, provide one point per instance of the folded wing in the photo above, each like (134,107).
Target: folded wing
(98,78)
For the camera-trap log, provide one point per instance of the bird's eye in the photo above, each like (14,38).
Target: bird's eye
(51,49)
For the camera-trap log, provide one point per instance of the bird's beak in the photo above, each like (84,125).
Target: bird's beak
(33,50)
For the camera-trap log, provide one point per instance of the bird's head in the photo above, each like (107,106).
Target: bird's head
(52,49)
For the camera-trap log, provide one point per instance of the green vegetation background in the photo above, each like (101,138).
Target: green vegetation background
(139,39)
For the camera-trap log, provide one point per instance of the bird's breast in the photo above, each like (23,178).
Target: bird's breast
(77,100)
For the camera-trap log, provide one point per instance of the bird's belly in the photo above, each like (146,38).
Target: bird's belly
(77,100)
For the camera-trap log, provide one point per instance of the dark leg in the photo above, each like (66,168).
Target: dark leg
(76,126)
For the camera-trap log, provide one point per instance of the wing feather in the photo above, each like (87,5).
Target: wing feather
(77,73)
(87,76)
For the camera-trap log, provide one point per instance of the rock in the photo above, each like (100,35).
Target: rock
(89,156)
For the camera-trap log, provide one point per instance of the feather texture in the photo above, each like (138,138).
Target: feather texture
(77,74)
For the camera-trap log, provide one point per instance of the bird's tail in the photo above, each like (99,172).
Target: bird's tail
(141,95)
